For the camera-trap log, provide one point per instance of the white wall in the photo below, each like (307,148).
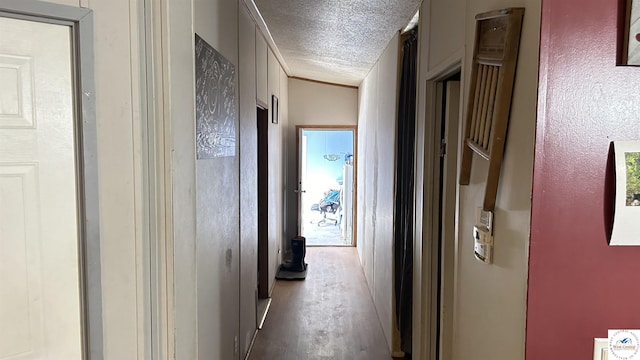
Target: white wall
(444,31)
(288,179)
(312,103)
(262,54)
(275,171)
(222,232)
(368,115)
(204,238)
(218,192)
(248,178)
(178,105)
(376,148)
(77,3)
(217,207)
(116,86)
(500,289)
(490,300)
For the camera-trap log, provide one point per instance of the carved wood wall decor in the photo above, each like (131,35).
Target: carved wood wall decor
(495,56)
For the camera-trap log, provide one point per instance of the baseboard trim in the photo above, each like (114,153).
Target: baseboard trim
(253,340)
(262,311)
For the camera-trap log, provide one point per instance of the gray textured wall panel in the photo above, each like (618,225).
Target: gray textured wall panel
(217,207)
(248,180)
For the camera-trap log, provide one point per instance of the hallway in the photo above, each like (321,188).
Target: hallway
(330,315)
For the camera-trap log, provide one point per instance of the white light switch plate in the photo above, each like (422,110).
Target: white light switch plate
(483,236)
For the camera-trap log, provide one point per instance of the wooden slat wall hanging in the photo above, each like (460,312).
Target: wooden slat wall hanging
(495,55)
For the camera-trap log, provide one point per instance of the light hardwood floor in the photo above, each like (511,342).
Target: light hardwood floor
(330,315)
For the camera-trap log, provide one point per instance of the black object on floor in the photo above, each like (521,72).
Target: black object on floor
(285,273)
(296,268)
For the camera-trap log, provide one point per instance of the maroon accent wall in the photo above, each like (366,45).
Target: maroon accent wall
(579,286)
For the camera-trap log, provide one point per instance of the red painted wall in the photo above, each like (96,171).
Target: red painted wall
(579,286)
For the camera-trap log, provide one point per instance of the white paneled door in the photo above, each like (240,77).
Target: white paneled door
(39,276)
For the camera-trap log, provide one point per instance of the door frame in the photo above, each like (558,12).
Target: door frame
(157,264)
(426,268)
(445,214)
(80,21)
(354,128)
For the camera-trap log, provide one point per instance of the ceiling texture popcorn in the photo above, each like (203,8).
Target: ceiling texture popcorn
(335,41)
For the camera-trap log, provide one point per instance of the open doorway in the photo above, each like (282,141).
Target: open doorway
(263,300)
(447,119)
(326,170)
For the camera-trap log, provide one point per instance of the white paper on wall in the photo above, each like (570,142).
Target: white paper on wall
(626,221)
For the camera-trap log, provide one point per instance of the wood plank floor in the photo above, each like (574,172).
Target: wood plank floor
(330,315)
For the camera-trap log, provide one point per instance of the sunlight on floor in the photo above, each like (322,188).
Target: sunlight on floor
(325,232)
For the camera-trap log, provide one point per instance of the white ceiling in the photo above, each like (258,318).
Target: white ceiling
(336,41)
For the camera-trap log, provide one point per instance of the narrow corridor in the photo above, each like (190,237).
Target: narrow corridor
(330,315)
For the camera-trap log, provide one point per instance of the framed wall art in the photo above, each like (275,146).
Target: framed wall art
(631,49)
(274,109)
(626,216)
(215,103)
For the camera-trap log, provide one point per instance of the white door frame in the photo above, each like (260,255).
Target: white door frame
(425,336)
(444,242)
(157,242)
(354,129)
(80,21)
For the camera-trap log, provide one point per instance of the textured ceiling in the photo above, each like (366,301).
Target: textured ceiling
(336,41)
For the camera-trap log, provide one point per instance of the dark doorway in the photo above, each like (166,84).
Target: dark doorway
(447,110)
(263,202)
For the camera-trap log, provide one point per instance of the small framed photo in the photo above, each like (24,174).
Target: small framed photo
(626,224)
(274,109)
(631,50)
